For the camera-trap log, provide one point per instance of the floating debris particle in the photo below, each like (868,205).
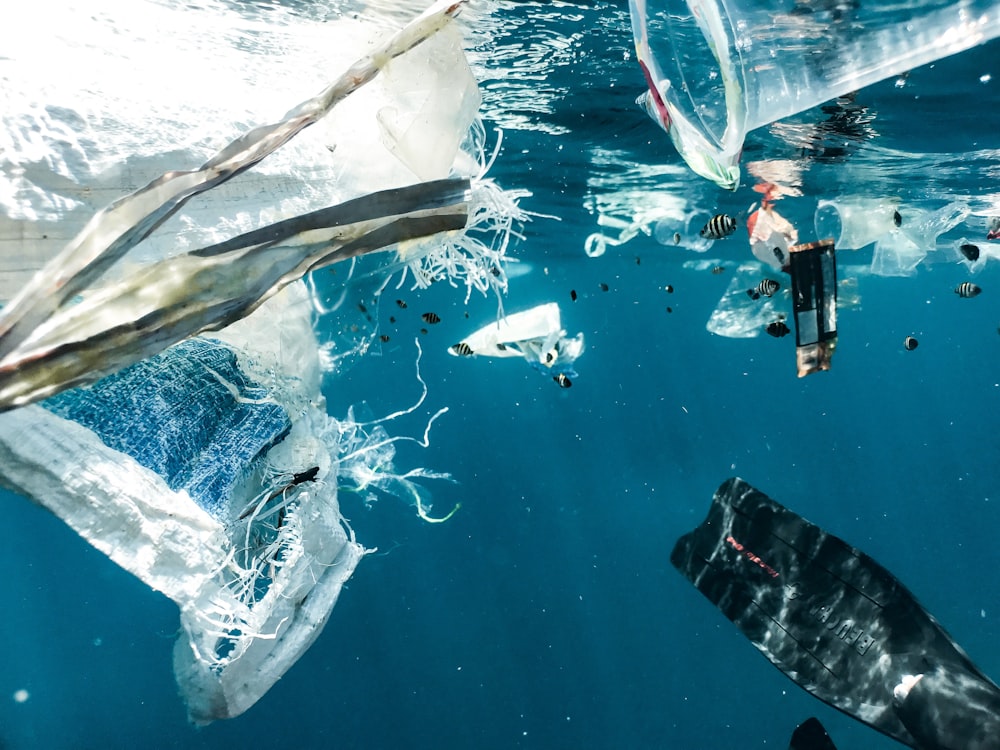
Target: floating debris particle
(677,238)
(384,338)
(362,308)
(495,271)
(971,252)
(562,380)
(604,287)
(765,288)
(392,319)
(670,309)
(572,294)
(718,227)
(910,343)
(718,269)
(669,289)
(423,331)
(778,329)
(462,349)
(401,303)
(967,289)
(431,318)
(994,230)
(897,218)
(779,255)
(638,260)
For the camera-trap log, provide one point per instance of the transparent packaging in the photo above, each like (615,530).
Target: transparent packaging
(717,69)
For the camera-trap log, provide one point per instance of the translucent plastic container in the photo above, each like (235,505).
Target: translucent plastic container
(717,69)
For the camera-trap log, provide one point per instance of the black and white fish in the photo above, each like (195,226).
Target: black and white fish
(967,289)
(910,343)
(778,329)
(462,349)
(430,317)
(401,304)
(765,288)
(971,252)
(562,380)
(384,338)
(718,269)
(719,226)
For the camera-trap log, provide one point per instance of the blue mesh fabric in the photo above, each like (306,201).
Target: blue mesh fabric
(174,416)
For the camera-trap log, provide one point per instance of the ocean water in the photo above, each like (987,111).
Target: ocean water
(545,613)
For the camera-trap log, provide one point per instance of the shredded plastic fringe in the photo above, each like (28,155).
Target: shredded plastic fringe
(476,255)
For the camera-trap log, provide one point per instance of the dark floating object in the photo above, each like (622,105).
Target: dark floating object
(402,305)
(604,287)
(897,219)
(718,227)
(362,308)
(967,289)
(669,289)
(778,329)
(638,260)
(384,338)
(718,269)
(765,288)
(971,252)
(462,349)
(562,380)
(677,238)
(572,294)
(495,271)
(423,331)
(431,318)
(910,343)
(670,309)
(392,319)
(780,256)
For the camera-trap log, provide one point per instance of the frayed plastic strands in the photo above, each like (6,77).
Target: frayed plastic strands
(474,256)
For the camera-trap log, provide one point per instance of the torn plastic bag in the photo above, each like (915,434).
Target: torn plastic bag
(207,466)
(536,335)
(157,465)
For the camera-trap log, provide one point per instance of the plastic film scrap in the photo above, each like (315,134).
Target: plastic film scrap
(207,465)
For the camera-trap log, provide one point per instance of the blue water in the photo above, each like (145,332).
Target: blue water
(545,613)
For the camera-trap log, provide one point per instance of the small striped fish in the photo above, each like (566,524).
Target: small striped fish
(766,288)
(719,226)
(967,289)
(430,317)
(562,380)
(462,349)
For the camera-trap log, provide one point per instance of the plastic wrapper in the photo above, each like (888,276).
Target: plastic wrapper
(536,335)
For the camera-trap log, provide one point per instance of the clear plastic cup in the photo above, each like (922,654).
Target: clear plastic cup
(717,69)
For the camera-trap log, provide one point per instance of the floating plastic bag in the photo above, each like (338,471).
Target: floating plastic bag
(207,465)
(210,486)
(717,69)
